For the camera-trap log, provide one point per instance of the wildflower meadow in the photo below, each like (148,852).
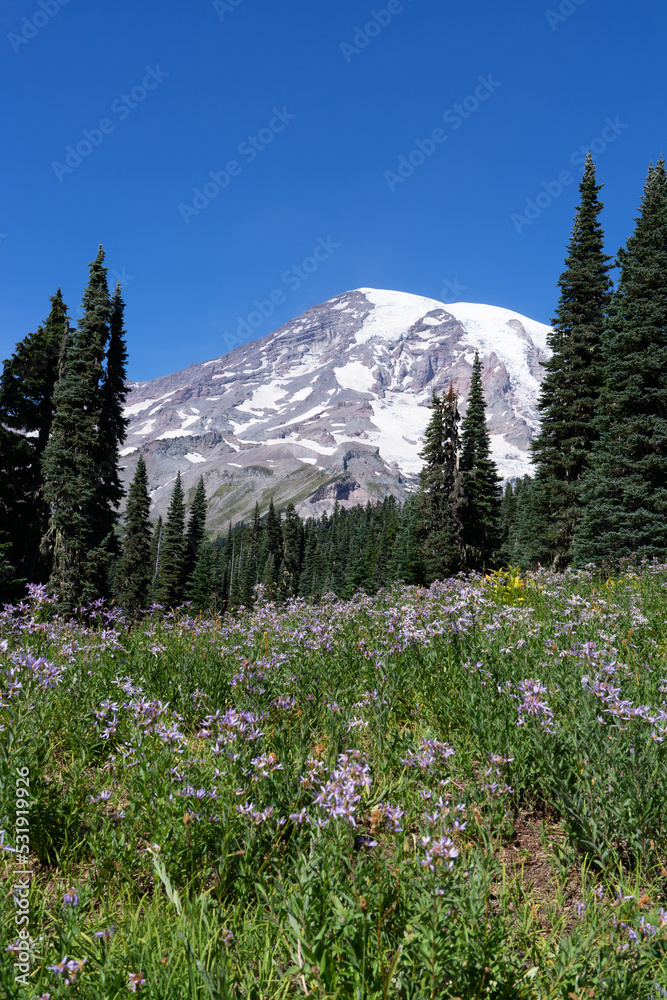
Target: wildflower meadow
(449,792)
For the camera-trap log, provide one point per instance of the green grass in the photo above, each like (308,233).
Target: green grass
(497,743)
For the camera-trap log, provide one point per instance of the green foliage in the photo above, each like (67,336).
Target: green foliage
(155,553)
(290,566)
(26,390)
(571,387)
(196,530)
(81,484)
(133,578)
(625,489)
(170,582)
(112,424)
(70,467)
(506,586)
(200,585)
(481,482)
(441,492)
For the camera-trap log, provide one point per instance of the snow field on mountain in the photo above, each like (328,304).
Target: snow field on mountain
(356,372)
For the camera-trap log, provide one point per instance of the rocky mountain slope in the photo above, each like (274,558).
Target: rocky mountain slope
(333,405)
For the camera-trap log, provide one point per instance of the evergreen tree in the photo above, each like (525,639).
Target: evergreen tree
(113,424)
(73,490)
(507,527)
(441,496)
(237,590)
(625,488)
(406,558)
(134,570)
(270,576)
(26,408)
(358,574)
(200,585)
(7,571)
(248,571)
(309,568)
(571,387)
(270,555)
(525,505)
(196,527)
(171,573)
(156,554)
(388,512)
(481,482)
(273,532)
(291,561)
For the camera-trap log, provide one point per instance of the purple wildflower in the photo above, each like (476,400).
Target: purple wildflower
(136,981)
(533,704)
(429,752)
(105,934)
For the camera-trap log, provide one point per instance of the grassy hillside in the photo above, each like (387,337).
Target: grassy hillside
(459,792)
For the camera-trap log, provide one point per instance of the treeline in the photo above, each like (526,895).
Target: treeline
(598,494)
(600,488)
(453,522)
(61,427)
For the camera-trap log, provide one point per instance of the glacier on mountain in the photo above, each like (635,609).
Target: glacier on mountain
(333,405)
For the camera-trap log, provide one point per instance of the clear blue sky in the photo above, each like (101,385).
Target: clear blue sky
(182,86)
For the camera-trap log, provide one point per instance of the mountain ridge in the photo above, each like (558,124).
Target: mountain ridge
(333,404)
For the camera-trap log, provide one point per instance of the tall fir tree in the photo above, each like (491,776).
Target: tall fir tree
(571,386)
(78,506)
(112,424)
(270,551)
(171,573)
(308,574)
(358,574)
(200,586)
(441,496)
(507,527)
(481,482)
(156,553)
(196,531)
(26,415)
(405,562)
(133,578)
(290,566)
(625,489)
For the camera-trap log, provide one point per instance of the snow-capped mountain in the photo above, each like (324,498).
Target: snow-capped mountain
(333,405)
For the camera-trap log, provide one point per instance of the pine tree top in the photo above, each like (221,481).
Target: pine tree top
(94,323)
(475,440)
(636,352)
